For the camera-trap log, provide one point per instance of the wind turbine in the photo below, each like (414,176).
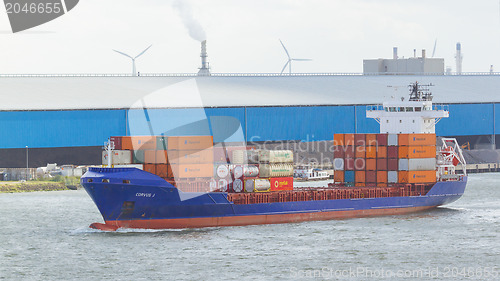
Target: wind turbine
(133,58)
(289,62)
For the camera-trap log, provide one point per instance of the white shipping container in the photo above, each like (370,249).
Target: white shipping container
(275,170)
(392,176)
(249,184)
(338,164)
(252,185)
(403,164)
(275,156)
(250,171)
(137,166)
(238,185)
(392,139)
(422,164)
(239,157)
(222,171)
(119,157)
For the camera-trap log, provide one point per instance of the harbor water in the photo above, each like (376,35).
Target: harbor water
(45,236)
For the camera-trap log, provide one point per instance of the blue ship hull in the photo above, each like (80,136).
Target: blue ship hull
(132,198)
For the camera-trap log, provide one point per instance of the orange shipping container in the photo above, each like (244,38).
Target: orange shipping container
(348,139)
(150,156)
(381,177)
(338,176)
(371,164)
(150,168)
(281,183)
(338,139)
(190,142)
(138,143)
(371,139)
(162,170)
(371,152)
(191,156)
(192,170)
(359,151)
(417,152)
(381,151)
(416,139)
(360,176)
(417,176)
(161,157)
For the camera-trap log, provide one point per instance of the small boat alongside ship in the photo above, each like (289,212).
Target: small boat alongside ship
(401,170)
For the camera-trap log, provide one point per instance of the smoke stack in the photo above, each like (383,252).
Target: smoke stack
(458,58)
(204,69)
(395,53)
(414,53)
(423,53)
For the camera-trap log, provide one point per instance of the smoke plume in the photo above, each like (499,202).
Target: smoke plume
(194,27)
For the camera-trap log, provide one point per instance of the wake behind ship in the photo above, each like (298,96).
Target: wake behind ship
(187,182)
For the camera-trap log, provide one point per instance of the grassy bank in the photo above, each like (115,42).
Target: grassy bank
(56,183)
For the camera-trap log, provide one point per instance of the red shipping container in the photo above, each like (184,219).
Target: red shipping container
(348,139)
(381,177)
(360,176)
(338,152)
(392,164)
(371,164)
(338,176)
(392,152)
(281,183)
(338,139)
(359,164)
(359,152)
(382,164)
(382,139)
(359,139)
(162,170)
(117,142)
(371,176)
(371,140)
(381,151)
(349,164)
(349,151)
(150,168)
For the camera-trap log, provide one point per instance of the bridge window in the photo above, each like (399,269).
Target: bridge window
(105,180)
(392,109)
(401,109)
(417,109)
(386,109)
(409,109)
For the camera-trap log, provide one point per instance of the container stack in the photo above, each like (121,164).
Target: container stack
(384,159)
(275,171)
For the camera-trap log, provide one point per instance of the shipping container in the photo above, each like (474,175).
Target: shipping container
(381,151)
(240,171)
(417,176)
(371,152)
(338,176)
(382,139)
(190,142)
(339,152)
(257,185)
(392,164)
(117,142)
(417,139)
(161,157)
(275,170)
(222,171)
(138,142)
(150,168)
(279,184)
(360,176)
(392,152)
(392,140)
(238,185)
(382,164)
(349,151)
(275,156)
(349,176)
(360,164)
(392,177)
(161,143)
(162,170)
(381,177)
(225,186)
(348,139)
(371,140)
(220,155)
(371,164)
(338,139)
(191,156)
(417,152)
(138,157)
(360,152)
(338,164)
(192,170)
(371,177)
(150,156)
(119,157)
(422,164)
(359,139)
(403,164)
(349,164)
(239,157)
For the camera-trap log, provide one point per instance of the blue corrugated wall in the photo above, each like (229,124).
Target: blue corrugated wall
(93,127)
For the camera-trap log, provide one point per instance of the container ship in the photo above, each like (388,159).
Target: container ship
(162,182)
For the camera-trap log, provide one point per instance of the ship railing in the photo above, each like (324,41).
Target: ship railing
(443,107)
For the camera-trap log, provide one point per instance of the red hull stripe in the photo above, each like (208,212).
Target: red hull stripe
(252,220)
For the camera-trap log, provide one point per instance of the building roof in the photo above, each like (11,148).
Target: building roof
(108,92)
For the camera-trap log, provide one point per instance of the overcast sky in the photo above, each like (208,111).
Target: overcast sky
(243,36)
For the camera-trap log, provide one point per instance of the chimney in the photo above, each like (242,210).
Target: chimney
(423,53)
(204,69)
(395,53)
(458,58)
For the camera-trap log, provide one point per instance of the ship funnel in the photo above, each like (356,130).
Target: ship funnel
(204,69)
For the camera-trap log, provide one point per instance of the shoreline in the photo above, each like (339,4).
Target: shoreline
(31,186)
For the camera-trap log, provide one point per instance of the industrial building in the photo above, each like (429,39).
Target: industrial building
(67,119)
